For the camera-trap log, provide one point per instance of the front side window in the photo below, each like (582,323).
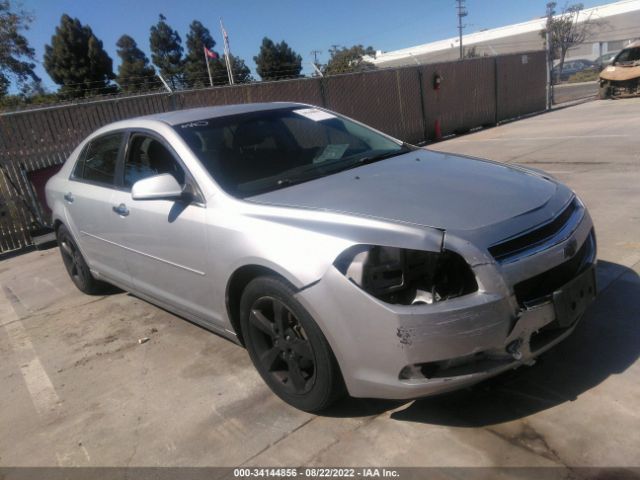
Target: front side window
(148,157)
(98,161)
(256,152)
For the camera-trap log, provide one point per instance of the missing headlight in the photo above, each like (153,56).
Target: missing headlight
(407,277)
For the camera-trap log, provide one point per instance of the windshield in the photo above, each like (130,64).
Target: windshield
(257,152)
(628,55)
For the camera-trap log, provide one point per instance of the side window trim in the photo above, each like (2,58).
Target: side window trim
(79,162)
(83,154)
(132,134)
(122,158)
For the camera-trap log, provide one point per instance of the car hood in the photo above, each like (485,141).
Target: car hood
(620,73)
(424,188)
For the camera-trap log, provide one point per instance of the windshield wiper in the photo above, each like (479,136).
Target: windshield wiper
(382,156)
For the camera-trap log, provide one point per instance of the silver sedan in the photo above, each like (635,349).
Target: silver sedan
(344,260)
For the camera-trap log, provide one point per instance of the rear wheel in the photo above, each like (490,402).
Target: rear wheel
(75,264)
(287,347)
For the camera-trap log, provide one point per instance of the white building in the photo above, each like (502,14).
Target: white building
(615,25)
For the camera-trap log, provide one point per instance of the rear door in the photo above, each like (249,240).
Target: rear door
(88,203)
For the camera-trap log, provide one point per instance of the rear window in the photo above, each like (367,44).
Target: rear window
(97,162)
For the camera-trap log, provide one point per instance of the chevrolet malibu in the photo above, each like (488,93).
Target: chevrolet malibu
(344,260)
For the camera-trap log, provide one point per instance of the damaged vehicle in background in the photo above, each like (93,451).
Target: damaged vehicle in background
(344,260)
(622,77)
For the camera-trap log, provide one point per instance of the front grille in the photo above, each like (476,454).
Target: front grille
(544,284)
(502,251)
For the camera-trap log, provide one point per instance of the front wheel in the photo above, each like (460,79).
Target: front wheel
(604,91)
(287,347)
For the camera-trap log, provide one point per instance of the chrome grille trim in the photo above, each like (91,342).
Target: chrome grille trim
(541,237)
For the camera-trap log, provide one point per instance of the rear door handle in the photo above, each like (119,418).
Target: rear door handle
(69,197)
(121,210)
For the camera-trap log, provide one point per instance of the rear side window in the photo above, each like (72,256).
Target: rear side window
(98,161)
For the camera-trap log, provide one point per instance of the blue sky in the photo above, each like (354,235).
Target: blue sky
(304,24)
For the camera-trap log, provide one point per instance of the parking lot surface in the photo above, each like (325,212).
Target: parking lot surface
(567,92)
(78,388)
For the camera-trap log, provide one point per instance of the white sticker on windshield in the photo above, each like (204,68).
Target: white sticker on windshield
(331,152)
(314,114)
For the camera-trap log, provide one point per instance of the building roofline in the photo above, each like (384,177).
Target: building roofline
(602,11)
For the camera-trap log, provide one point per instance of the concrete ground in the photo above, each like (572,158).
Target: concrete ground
(77,388)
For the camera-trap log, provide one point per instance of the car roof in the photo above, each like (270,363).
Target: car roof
(631,46)
(194,114)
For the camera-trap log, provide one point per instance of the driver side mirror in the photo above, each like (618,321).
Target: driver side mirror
(158,187)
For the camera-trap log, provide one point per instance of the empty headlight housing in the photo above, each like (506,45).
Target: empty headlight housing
(407,277)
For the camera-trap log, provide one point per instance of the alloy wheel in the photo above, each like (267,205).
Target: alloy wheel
(282,346)
(72,259)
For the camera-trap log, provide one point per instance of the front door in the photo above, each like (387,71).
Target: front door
(165,239)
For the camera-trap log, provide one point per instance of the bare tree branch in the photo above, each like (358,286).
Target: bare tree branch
(567,30)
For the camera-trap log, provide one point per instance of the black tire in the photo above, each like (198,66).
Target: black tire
(604,92)
(75,264)
(287,347)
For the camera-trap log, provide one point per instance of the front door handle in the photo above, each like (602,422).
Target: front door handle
(121,210)
(69,197)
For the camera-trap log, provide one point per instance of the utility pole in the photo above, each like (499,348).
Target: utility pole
(315,54)
(462,12)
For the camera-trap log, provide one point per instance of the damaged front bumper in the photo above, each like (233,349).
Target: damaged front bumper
(409,351)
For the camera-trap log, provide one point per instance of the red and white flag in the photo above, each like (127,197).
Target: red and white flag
(210,54)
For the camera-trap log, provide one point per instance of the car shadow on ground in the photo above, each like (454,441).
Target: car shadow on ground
(606,342)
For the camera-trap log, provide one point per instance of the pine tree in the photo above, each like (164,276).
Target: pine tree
(76,60)
(195,68)
(277,61)
(166,52)
(15,53)
(134,73)
(241,73)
